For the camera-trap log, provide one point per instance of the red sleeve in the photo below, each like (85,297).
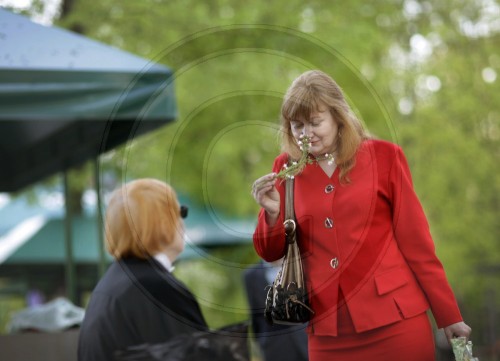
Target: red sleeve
(269,241)
(417,246)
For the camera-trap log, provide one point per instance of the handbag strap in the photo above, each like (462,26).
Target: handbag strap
(289,223)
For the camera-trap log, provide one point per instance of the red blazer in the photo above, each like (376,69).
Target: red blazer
(368,238)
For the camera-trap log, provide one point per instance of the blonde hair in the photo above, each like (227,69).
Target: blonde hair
(142,218)
(311,92)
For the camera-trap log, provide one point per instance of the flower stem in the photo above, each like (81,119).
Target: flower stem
(291,169)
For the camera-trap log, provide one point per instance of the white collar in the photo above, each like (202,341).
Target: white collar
(164,261)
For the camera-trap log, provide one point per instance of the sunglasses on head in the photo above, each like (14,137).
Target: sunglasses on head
(184,211)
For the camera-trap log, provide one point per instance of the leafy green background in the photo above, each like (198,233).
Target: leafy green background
(422,74)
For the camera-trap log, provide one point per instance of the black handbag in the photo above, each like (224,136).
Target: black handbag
(287,300)
(229,343)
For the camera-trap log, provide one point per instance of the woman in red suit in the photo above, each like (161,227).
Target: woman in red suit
(369,259)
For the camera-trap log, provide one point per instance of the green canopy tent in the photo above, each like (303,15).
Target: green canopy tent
(45,245)
(65,99)
(32,244)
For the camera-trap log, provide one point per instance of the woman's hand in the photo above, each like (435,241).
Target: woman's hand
(267,196)
(458,329)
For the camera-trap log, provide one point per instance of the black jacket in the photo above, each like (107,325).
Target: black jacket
(137,301)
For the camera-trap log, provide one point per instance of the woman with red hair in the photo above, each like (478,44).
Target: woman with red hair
(138,300)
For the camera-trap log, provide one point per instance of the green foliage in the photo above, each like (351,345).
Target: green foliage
(8,306)
(217,282)
(422,74)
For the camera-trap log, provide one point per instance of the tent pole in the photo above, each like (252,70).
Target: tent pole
(100,239)
(70,265)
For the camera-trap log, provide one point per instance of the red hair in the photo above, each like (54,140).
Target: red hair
(142,218)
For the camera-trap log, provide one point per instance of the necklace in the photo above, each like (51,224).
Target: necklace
(327,156)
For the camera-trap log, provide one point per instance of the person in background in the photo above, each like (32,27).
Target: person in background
(369,259)
(276,342)
(35,297)
(138,300)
